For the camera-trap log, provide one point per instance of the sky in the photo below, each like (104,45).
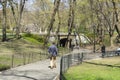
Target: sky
(29,3)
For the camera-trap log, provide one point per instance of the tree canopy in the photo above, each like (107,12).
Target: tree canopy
(91,17)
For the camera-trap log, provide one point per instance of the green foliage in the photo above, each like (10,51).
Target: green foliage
(8,31)
(81,29)
(4,67)
(27,35)
(107,40)
(34,38)
(89,34)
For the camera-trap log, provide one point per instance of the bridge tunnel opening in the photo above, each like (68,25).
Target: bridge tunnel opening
(63,42)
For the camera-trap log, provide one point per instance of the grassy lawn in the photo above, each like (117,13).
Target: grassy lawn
(24,52)
(95,72)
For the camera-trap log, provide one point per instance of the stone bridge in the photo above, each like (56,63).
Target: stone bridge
(62,37)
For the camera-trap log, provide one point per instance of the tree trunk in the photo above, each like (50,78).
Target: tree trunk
(71,19)
(4,4)
(56,6)
(58,29)
(19,17)
(13,13)
(116,17)
(21,7)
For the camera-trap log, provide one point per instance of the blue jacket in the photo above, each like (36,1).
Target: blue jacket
(53,50)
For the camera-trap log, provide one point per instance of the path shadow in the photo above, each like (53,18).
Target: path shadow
(107,65)
(28,74)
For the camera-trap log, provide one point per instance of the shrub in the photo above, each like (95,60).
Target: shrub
(4,67)
(34,36)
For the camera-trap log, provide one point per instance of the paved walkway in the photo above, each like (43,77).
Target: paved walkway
(33,71)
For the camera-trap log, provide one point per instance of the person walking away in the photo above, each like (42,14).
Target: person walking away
(103,50)
(53,53)
(118,51)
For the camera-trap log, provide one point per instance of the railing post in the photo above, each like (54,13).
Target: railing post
(78,58)
(12,60)
(32,57)
(81,57)
(68,61)
(61,67)
(40,56)
(29,58)
(24,59)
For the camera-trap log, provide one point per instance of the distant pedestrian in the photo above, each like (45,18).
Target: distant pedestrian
(53,53)
(103,50)
(118,51)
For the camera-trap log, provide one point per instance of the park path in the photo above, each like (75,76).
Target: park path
(34,71)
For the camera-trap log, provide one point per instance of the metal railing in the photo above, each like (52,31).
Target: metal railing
(111,53)
(18,59)
(77,58)
(68,61)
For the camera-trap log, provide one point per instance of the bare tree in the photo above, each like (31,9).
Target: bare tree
(17,16)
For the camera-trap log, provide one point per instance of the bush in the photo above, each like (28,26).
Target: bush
(4,67)
(8,31)
(107,40)
(27,35)
(34,36)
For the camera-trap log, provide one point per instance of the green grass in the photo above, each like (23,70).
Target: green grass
(19,59)
(93,72)
(32,40)
(26,45)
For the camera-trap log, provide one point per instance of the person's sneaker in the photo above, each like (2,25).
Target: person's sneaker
(54,66)
(50,67)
